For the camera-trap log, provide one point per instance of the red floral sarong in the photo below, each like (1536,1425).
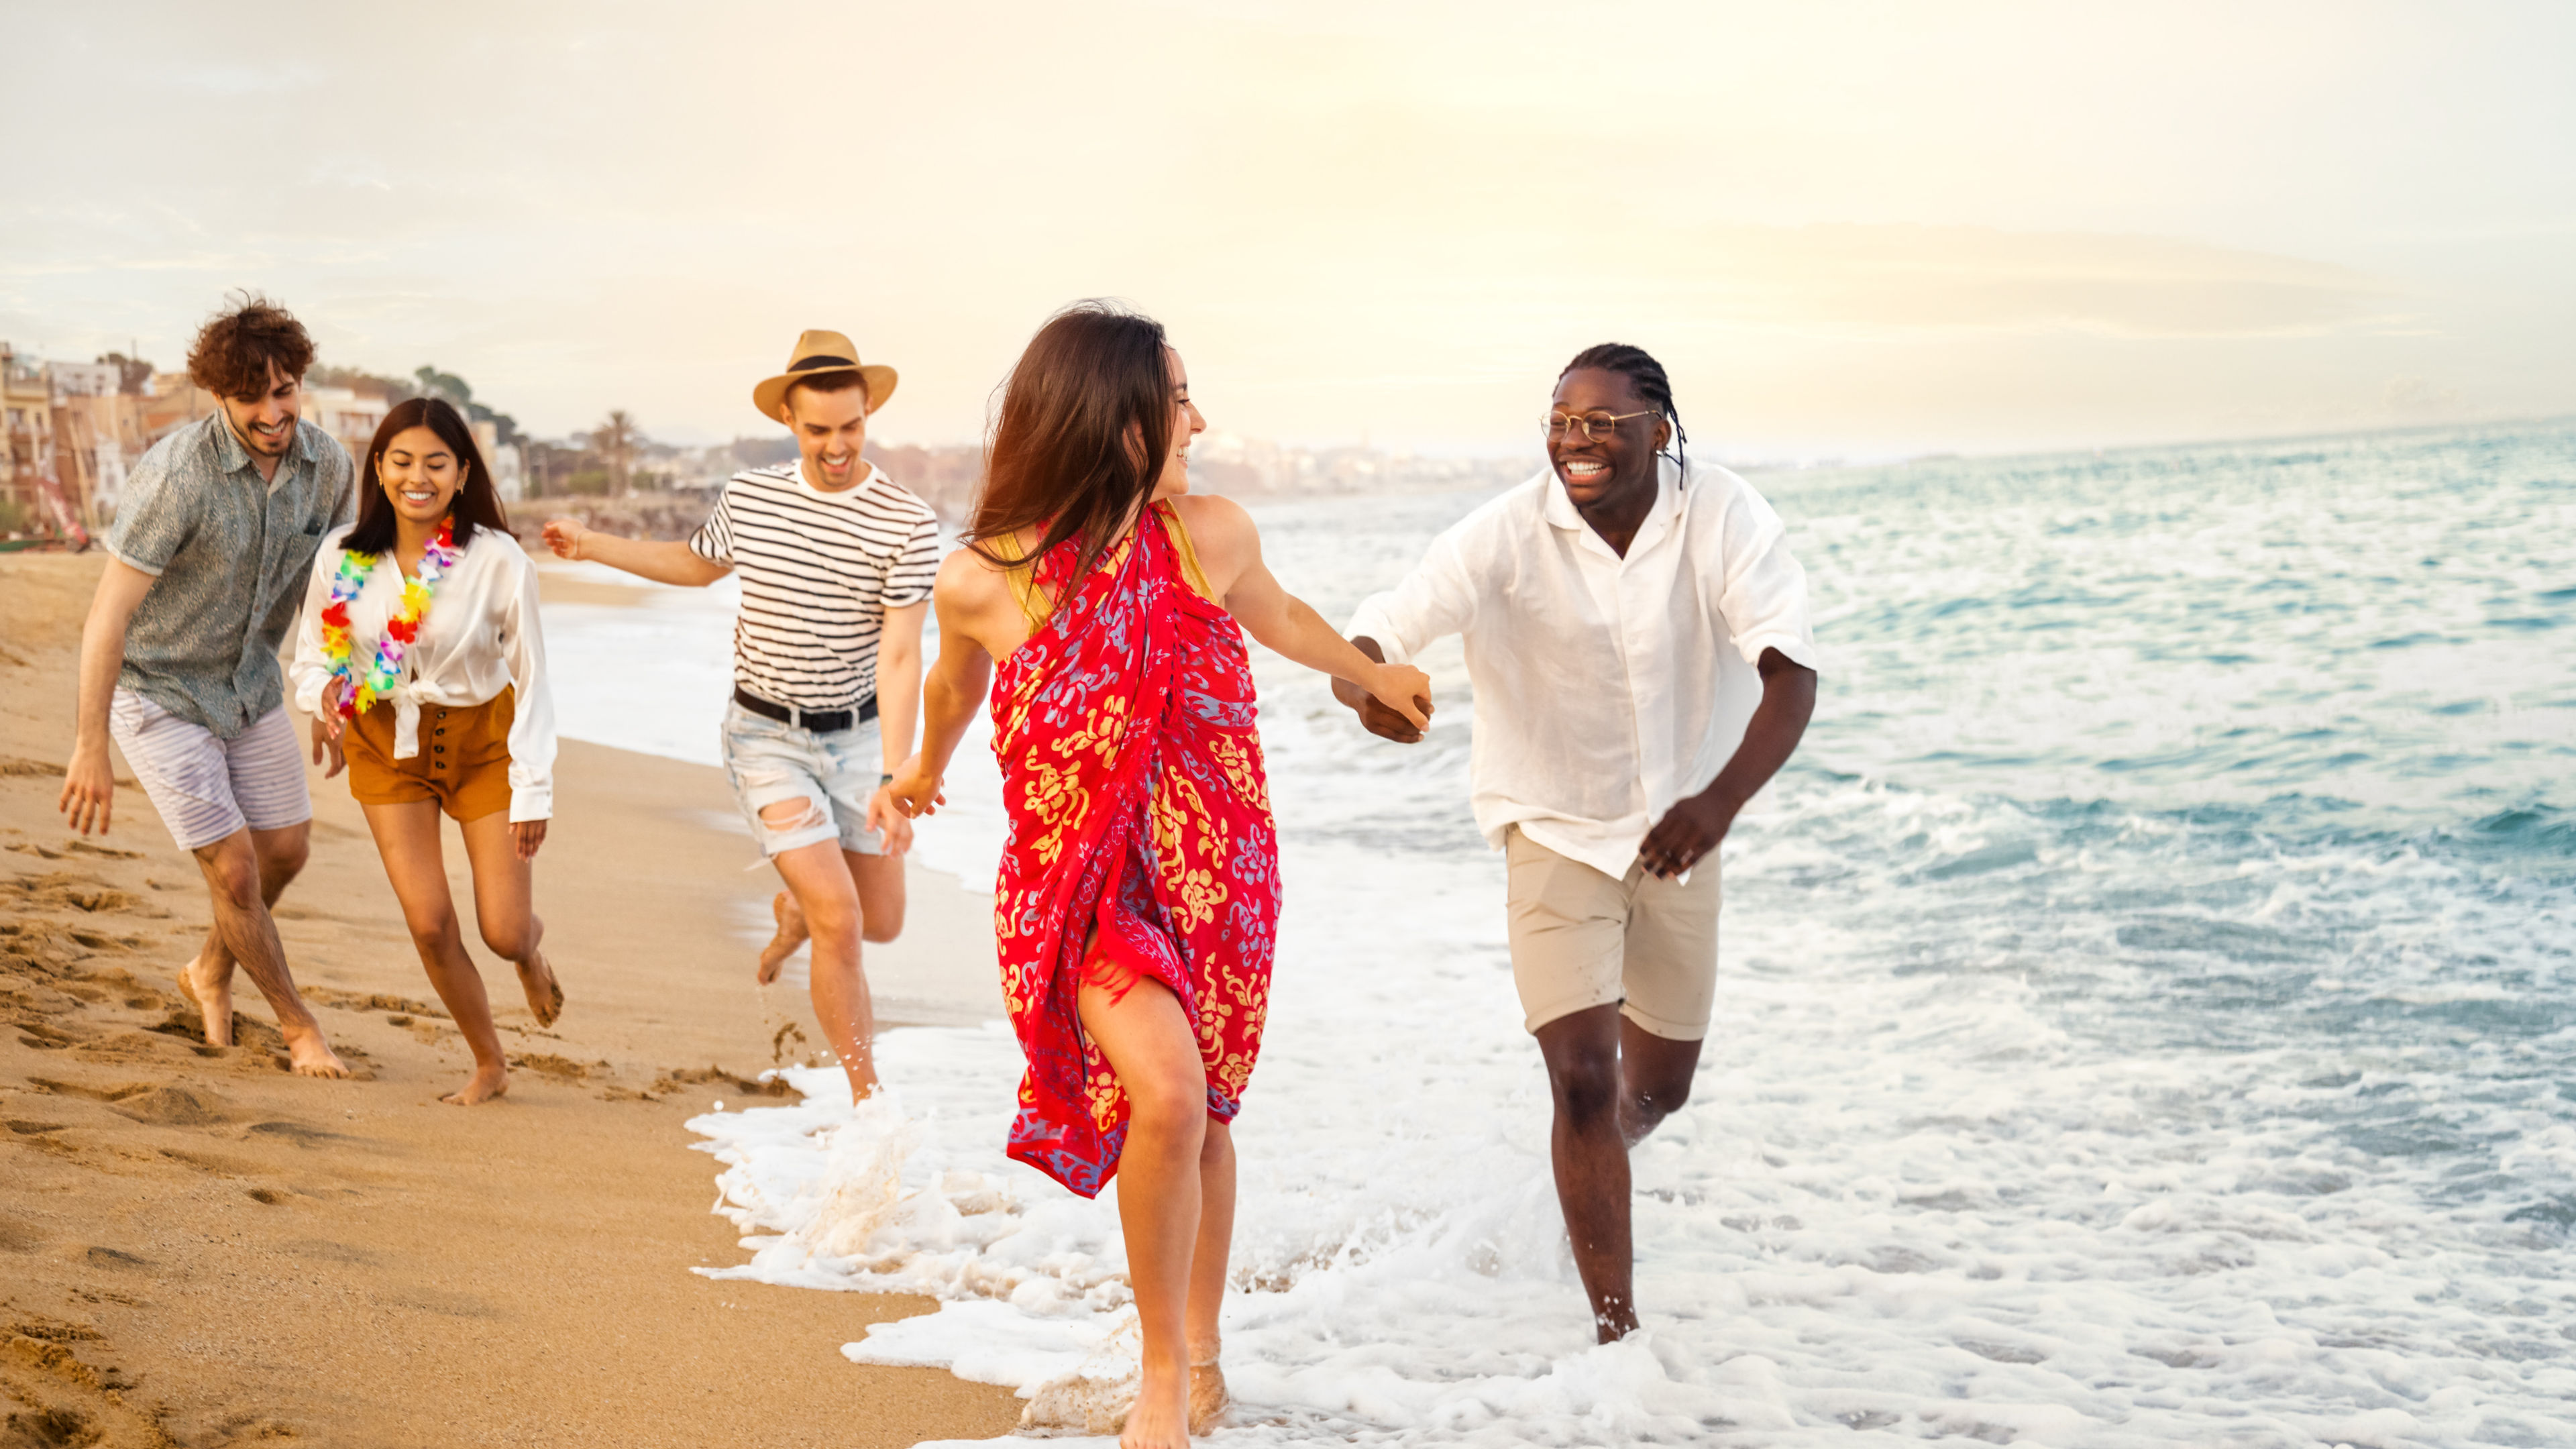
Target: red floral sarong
(1140,812)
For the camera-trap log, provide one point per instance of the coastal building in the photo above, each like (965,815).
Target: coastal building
(173,399)
(26,444)
(86,379)
(508,465)
(97,438)
(348,415)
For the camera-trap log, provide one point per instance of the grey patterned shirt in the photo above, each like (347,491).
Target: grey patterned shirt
(228,552)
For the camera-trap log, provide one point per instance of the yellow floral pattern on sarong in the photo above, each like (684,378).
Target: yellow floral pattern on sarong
(1140,833)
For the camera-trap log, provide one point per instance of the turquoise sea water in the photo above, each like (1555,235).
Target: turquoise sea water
(2147,1007)
(2234,783)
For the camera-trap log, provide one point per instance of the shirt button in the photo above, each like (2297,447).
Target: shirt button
(441,749)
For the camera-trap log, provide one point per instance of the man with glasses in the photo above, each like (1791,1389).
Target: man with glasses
(1638,643)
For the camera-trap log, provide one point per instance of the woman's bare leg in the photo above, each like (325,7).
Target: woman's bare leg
(505,911)
(407,838)
(1208,1397)
(1161,1206)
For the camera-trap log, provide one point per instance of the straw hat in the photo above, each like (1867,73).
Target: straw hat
(818,352)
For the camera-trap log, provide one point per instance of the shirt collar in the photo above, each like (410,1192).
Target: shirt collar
(1561,511)
(232,457)
(796,470)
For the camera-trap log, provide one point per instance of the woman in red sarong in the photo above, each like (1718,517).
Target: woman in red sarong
(1138,896)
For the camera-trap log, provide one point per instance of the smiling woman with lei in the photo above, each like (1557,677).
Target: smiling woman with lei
(352,691)
(1138,898)
(419,646)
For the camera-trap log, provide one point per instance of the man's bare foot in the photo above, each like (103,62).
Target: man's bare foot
(1208,1398)
(1161,1416)
(487,1083)
(791,934)
(545,993)
(213,1002)
(308,1055)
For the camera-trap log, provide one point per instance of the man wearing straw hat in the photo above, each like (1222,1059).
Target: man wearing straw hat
(836,565)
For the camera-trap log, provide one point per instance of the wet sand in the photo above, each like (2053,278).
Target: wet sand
(198,1248)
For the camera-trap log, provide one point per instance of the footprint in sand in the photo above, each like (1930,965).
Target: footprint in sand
(562,1069)
(63,889)
(95,1093)
(172,1107)
(299,1134)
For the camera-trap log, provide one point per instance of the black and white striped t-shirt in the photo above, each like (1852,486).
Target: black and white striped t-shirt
(818,572)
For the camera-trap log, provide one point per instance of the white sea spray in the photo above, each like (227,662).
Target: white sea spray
(2147,1011)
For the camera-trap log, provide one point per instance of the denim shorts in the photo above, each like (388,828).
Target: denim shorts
(770,760)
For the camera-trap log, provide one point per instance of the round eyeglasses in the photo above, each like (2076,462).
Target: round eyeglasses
(1586,425)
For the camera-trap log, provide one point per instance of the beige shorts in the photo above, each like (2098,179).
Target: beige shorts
(1582,939)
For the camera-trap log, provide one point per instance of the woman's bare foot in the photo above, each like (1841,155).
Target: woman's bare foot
(1161,1417)
(213,1002)
(487,1083)
(1208,1398)
(308,1055)
(545,993)
(791,934)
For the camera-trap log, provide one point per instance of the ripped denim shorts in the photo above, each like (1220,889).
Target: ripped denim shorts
(769,761)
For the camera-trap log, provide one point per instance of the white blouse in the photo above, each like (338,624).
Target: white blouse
(479,637)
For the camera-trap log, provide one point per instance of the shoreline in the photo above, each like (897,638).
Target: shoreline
(200,1249)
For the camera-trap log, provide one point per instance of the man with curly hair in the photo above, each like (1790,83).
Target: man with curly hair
(178,661)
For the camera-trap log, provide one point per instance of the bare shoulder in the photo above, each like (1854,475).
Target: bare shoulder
(967,579)
(1221,532)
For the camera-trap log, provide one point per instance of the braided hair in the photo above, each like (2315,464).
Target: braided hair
(1634,364)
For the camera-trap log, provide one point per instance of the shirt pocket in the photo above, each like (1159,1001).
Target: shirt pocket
(282,589)
(295,560)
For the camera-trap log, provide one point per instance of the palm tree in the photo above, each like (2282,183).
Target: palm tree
(617,439)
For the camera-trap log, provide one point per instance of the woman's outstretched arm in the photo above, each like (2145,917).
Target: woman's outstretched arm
(1229,549)
(964,599)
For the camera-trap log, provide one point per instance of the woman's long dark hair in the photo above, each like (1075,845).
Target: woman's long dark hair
(477,504)
(1064,454)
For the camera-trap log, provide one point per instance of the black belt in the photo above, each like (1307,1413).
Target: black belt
(820,721)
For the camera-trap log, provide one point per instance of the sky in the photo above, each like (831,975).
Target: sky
(1848,230)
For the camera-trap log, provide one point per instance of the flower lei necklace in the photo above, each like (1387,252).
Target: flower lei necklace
(358,691)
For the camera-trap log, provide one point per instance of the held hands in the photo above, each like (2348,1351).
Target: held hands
(526,836)
(1398,706)
(914,791)
(887,818)
(1687,835)
(89,789)
(564,536)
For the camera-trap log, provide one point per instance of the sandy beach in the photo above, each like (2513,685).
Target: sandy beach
(197,1248)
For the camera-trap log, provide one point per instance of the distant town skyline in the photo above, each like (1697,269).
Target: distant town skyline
(1850,230)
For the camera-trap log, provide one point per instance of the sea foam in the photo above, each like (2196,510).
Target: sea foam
(2145,1013)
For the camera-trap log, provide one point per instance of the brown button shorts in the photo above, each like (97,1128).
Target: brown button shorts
(1583,939)
(463,764)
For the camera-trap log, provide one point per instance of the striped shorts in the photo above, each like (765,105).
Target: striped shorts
(206,788)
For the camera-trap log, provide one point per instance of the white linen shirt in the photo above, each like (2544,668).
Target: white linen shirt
(1607,688)
(479,637)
